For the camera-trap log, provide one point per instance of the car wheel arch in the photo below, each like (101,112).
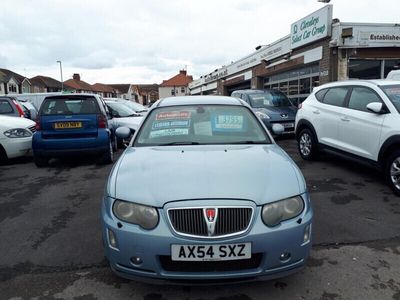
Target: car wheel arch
(302,124)
(389,146)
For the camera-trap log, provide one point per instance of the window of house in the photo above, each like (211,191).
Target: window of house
(173,92)
(361,97)
(183,89)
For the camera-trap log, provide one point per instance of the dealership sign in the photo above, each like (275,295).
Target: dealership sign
(311,28)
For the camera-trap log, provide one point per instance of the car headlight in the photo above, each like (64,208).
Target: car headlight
(262,115)
(142,215)
(274,213)
(17,133)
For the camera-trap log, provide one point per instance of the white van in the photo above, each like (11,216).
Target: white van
(35,98)
(393,75)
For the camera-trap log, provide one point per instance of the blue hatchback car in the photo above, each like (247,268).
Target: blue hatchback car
(72,124)
(203,193)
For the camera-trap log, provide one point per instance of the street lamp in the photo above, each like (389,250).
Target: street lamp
(62,84)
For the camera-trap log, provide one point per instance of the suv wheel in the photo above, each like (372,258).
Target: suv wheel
(115,143)
(307,144)
(108,156)
(40,161)
(392,172)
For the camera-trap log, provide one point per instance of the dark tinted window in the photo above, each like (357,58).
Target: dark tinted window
(364,69)
(69,106)
(335,96)
(361,96)
(5,107)
(320,94)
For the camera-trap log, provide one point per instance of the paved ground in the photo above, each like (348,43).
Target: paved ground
(51,245)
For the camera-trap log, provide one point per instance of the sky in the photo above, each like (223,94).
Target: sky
(148,41)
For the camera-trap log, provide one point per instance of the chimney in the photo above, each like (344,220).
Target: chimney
(76,77)
(182,72)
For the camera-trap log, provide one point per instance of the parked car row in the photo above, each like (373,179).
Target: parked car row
(66,125)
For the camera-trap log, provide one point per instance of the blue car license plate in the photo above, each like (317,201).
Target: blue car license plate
(210,252)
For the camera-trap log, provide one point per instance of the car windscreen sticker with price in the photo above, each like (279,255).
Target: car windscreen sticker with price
(228,123)
(171,123)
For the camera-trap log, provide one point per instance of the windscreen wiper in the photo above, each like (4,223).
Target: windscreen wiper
(180,143)
(248,142)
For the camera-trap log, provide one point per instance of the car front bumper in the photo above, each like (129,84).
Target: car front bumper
(16,147)
(154,250)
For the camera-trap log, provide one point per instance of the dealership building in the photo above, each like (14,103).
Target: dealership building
(318,50)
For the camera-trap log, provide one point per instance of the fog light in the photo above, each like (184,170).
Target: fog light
(285,256)
(307,234)
(112,241)
(136,260)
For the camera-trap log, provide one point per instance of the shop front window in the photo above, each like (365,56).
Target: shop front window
(365,69)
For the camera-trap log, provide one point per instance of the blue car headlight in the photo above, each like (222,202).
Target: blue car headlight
(274,213)
(142,215)
(17,133)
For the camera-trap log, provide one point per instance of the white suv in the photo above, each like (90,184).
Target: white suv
(358,118)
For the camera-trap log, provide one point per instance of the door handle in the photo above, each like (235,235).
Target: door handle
(345,119)
(316,112)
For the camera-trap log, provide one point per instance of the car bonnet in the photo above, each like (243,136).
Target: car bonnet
(157,175)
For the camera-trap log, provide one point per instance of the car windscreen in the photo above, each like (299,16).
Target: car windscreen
(201,125)
(120,110)
(69,106)
(269,99)
(5,107)
(393,93)
(135,106)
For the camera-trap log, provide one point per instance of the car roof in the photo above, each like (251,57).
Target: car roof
(196,100)
(252,91)
(71,95)
(377,82)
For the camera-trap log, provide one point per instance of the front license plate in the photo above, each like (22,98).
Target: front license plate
(210,252)
(66,125)
(288,125)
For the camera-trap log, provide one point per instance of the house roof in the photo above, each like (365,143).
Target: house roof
(147,88)
(78,85)
(181,79)
(8,74)
(45,81)
(122,88)
(101,87)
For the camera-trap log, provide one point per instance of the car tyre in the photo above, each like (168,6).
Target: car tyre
(307,144)
(108,156)
(3,156)
(392,171)
(40,161)
(115,144)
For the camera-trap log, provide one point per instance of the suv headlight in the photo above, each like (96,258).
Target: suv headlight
(262,115)
(142,215)
(17,133)
(274,213)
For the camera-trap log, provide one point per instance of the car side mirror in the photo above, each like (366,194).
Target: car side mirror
(278,129)
(123,132)
(376,107)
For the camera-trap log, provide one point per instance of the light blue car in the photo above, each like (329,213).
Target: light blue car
(203,194)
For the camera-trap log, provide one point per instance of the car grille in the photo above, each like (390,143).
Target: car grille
(32,128)
(229,221)
(211,266)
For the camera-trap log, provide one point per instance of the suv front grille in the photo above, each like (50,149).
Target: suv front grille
(192,221)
